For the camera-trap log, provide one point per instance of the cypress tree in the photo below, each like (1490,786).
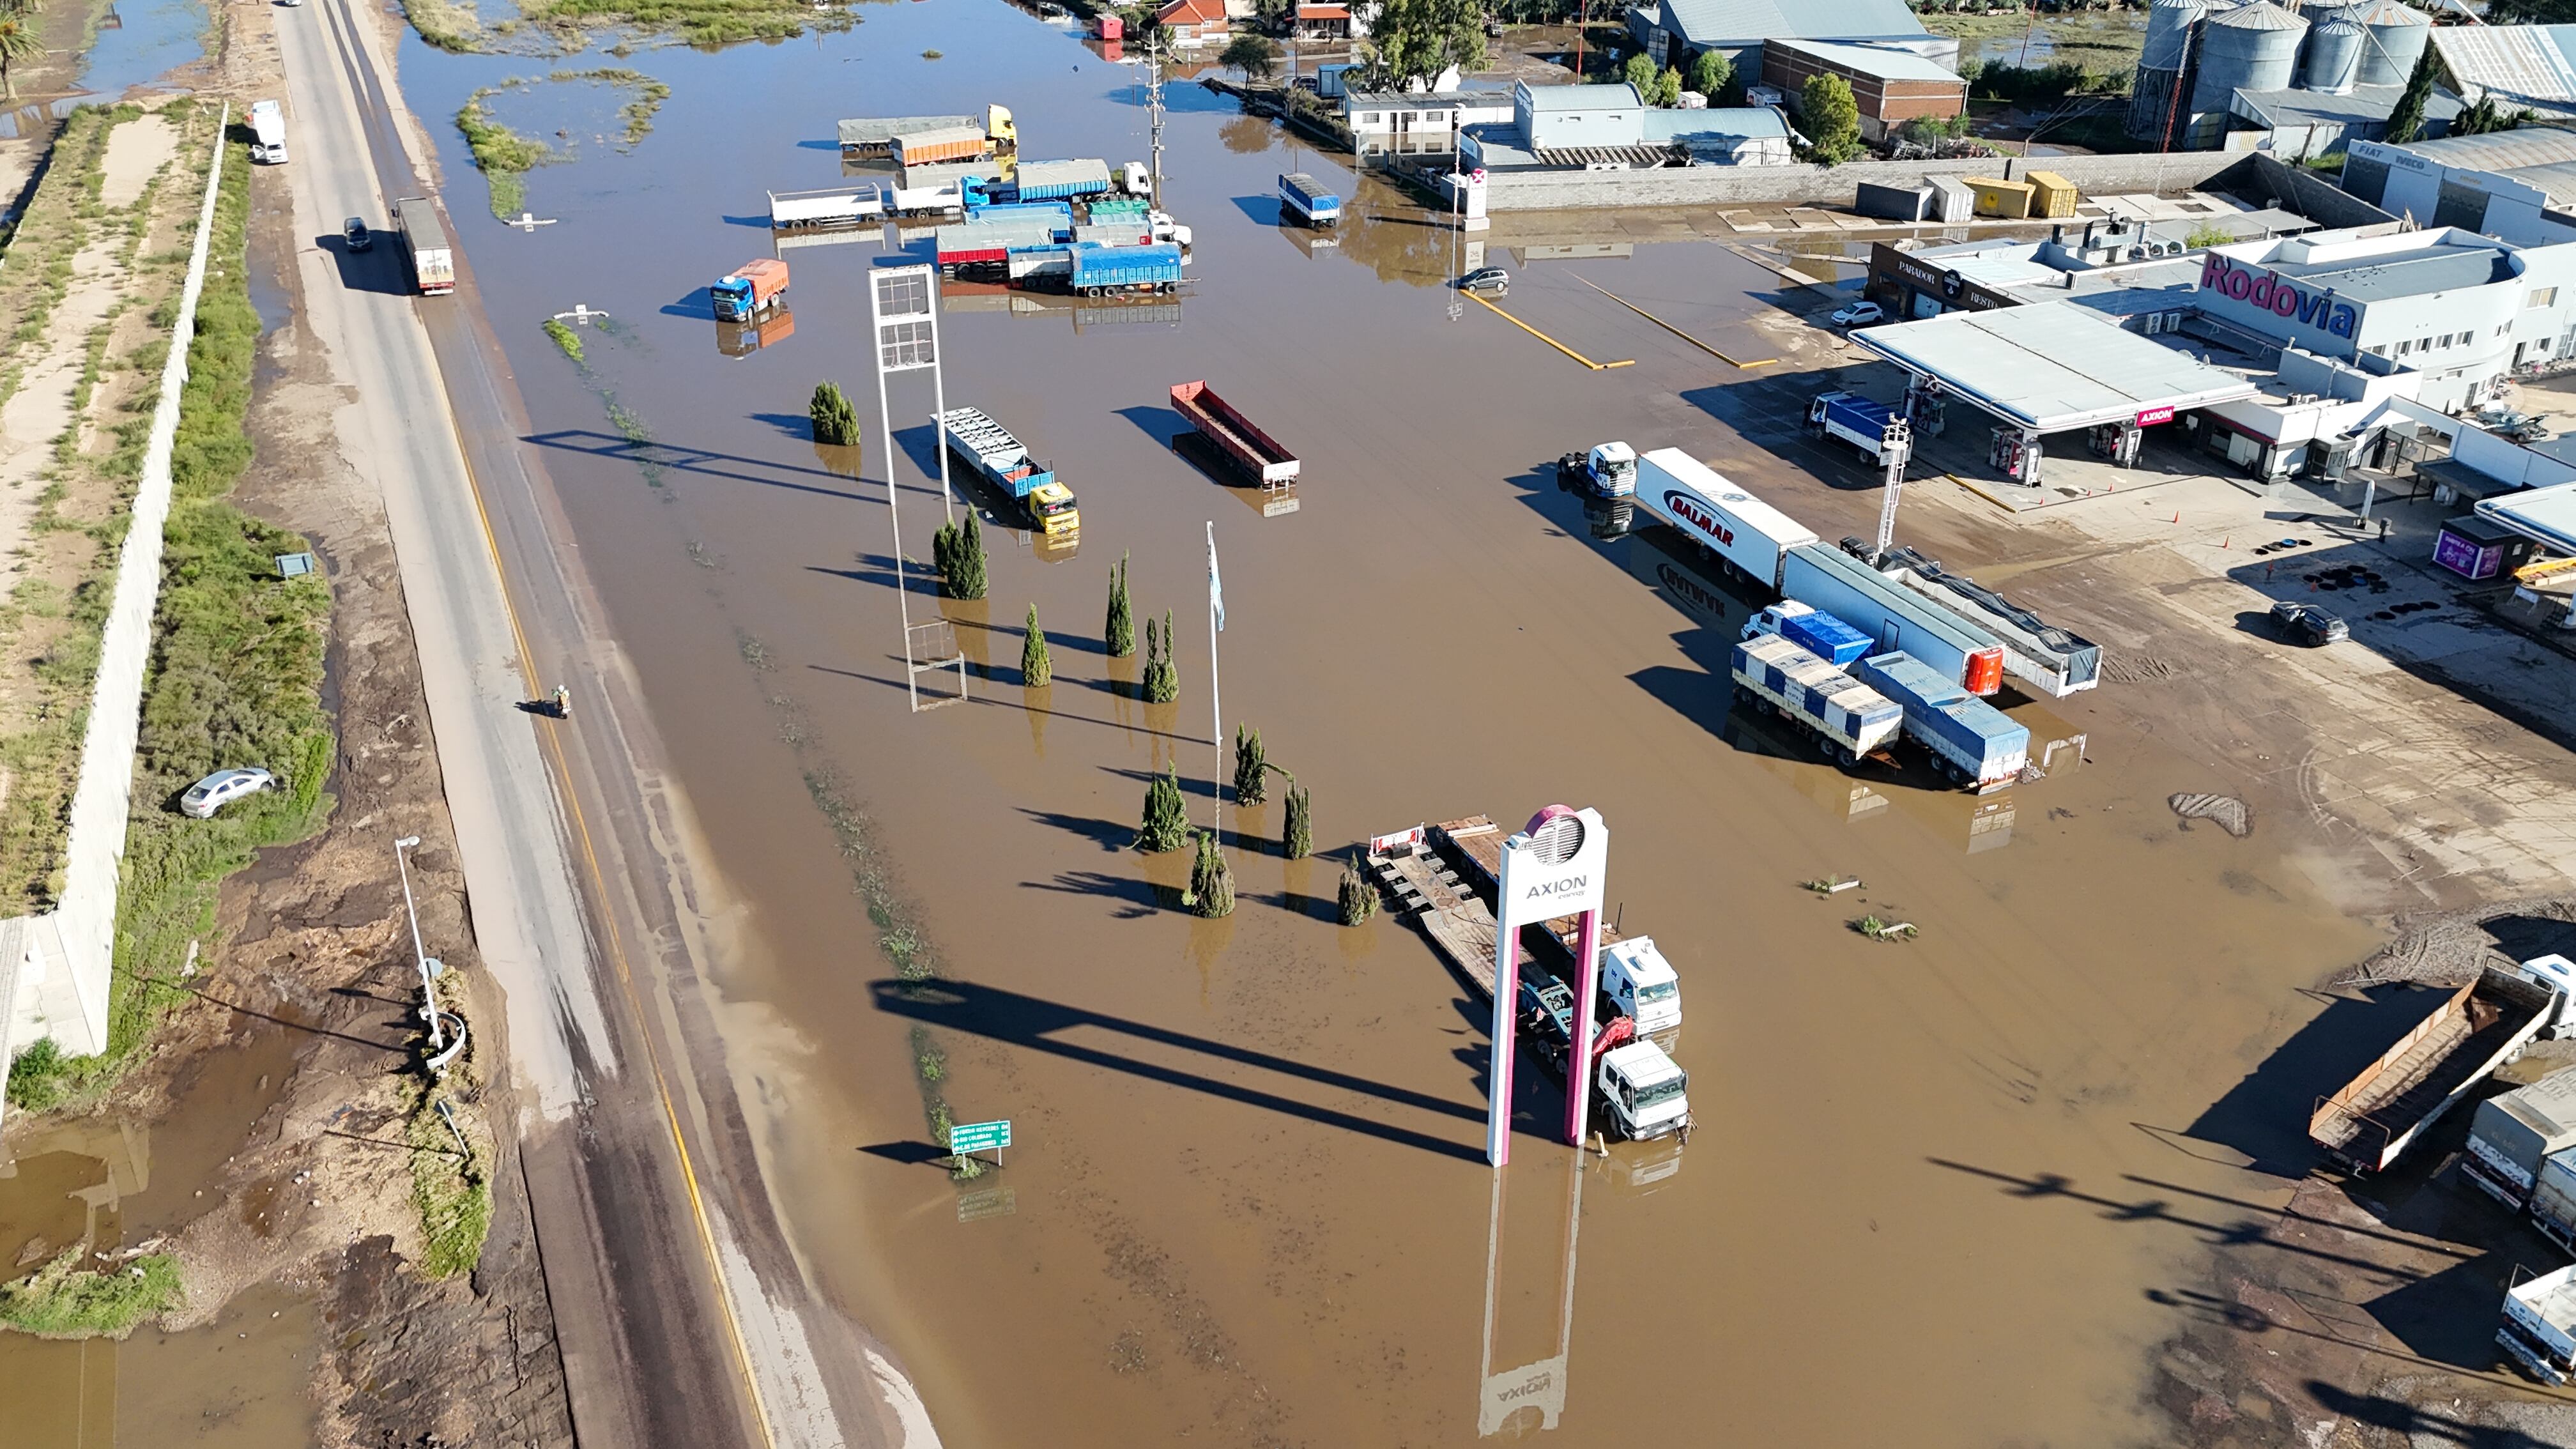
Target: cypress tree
(1162,681)
(1250,767)
(1211,881)
(1359,898)
(2406,118)
(1037,670)
(835,420)
(1120,636)
(1297,837)
(1166,823)
(959,554)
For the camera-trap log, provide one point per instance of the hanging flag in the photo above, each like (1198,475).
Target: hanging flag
(1216,586)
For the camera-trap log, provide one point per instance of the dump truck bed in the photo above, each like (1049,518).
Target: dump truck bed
(2474,1030)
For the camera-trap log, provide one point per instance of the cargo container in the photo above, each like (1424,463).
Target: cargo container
(1969,740)
(2468,1033)
(1244,445)
(1047,264)
(1996,197)
(1893,203)
(752,288)
(1826,637)
(1852,418)
(1748,535)
(1844,713)
(1061,180)
(1952,199)
(433,264)
(2553,1198)
(942,143)
(1109,27)
(867,137)
(853,205)
(2512,1134)
(1099,271)
(2539,1327)
(962,243)
(1305,198)
(1896,618)
(991,452)
(2052,196)
(1056,216)
(1115,233)
(2038,655)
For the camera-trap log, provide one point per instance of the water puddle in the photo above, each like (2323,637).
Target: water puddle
(141,41)
(241,1382)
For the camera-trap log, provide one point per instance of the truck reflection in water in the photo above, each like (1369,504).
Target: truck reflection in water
(1084,313)
(742,339)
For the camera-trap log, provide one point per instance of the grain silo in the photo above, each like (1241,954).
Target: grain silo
(2396,36)
(2164,61)
(2251,48)
(2333,60)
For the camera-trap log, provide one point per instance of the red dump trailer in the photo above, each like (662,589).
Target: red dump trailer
(1233,434)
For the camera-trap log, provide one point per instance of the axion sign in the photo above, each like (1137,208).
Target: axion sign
(2278,295)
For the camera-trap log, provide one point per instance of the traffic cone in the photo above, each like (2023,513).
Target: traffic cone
(2177,518)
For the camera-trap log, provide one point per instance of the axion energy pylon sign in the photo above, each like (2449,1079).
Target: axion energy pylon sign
(1554,867)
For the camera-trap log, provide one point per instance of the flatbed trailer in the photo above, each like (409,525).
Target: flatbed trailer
(833,206)
(1251,450)
(2459,1043)
(1428,888)
(871,136)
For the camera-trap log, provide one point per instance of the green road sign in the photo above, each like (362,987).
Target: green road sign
(979,1136)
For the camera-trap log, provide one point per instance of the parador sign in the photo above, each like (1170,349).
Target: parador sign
(2278,295)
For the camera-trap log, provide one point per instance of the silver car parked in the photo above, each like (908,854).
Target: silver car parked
(222,788)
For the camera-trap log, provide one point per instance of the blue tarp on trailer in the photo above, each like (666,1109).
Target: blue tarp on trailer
(1147,266)
(1047,180)
(1826,637)
(1971,738)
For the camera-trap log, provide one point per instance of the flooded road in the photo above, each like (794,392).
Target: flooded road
(1245,1199)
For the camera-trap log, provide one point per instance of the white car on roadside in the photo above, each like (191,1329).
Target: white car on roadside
(1860,314)
(222,788)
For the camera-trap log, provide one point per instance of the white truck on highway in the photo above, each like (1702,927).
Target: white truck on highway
(268,133)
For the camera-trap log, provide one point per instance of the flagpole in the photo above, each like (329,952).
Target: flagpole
(1216,705)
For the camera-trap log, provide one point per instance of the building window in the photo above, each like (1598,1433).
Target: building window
(1369,118)
(2405,347)
(2542,297)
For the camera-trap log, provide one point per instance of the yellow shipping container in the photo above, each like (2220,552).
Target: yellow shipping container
(2007,199)
(2054,195)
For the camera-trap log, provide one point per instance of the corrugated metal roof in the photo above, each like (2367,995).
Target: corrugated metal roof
(1733,122)
(2523,61)
(2052,366)
(2387,13)
(1632,157)
(2500,150)
(1887,62)
(2557,180)
(1710,22)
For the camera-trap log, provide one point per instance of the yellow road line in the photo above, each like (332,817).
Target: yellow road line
(617,957)
(1981,493)
(1550,341)
(1667,326)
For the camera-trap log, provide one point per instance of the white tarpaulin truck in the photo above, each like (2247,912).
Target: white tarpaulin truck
(267,132)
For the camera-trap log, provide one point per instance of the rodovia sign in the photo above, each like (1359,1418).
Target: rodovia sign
(1555,867)
(2271,292)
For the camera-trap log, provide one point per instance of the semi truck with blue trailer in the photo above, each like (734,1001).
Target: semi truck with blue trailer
(1004,463)
(1847,715)
(1969,740)
(1100,271)
(1306,198)
(1060,180)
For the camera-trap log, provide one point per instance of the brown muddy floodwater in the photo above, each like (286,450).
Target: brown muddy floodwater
(1246,1202)
(240,1382)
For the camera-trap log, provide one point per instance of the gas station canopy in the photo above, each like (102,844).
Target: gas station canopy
(2053,367)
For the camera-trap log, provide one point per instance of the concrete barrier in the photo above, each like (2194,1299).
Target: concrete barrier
(1831,185)
(54,968)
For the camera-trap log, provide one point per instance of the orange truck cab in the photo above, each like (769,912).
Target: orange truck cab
(752,289)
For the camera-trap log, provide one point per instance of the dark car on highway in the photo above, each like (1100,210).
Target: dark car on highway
(355,235)
(2307,624)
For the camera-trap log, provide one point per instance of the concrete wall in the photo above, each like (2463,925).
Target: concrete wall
(61,962)
(1833,186)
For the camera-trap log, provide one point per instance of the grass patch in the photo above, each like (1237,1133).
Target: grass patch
(447,24)
(452,1190)
(704,24)
(65,1300)
(566,340)
(501,154)
(637,113)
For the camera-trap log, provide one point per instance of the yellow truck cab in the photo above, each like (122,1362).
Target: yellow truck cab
(998,126)
(1052,505)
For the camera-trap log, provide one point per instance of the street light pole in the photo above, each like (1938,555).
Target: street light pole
(419,956)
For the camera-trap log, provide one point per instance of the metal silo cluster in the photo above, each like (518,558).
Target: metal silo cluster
(2199,53)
